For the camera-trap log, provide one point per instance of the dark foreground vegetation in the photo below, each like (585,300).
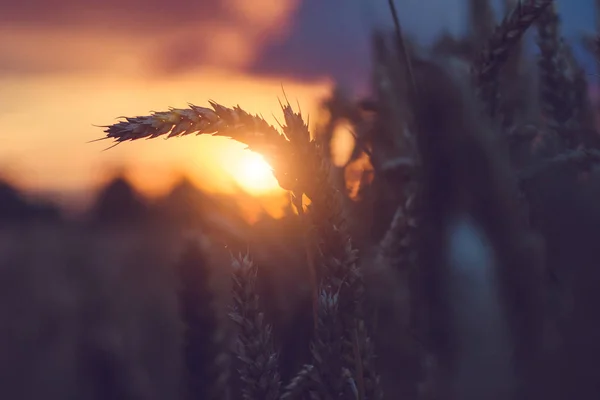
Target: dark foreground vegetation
(465,266)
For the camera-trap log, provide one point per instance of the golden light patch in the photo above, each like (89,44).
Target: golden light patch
(253,173)
(51,151)
(342,143)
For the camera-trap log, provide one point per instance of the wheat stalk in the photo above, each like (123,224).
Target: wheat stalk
(482,22)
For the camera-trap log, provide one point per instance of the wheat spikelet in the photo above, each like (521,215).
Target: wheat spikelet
(397,251)
(305,382)
(327,347)
(336,254)
(223,121)
(510,30)
(513,81)
(206,356)
(498,47)
(554,87)
(235,123)
(255,349)
(338,258)
(324,211)
(303,148)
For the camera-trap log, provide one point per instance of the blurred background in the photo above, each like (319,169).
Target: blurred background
(89,238)
(68,65)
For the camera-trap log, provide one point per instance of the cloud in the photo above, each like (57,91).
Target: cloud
(144,15)
(332,38)
(306,39)
(300,39)
(233,41)
(165,37)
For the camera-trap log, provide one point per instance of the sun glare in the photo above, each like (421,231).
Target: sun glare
(254,174)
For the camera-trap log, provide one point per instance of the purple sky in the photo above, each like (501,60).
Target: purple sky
(331,36)
(326,37)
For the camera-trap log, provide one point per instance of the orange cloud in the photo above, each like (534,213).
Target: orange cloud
(186,35)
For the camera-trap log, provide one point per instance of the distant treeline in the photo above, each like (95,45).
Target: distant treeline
(118,202)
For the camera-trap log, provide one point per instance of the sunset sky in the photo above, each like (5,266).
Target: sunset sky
(66,65)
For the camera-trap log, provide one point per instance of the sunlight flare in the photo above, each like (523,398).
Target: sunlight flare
(253,173)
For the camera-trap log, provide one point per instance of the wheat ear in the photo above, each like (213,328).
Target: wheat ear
(336,255)
(255,349)
(234,123)
(300,166)
(327,347)
(305,382)
(554,85)
(496,51)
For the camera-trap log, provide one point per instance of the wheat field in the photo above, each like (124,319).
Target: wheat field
(461,265)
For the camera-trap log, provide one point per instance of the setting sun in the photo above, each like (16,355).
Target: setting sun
(254,174)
